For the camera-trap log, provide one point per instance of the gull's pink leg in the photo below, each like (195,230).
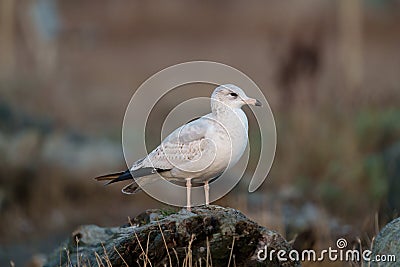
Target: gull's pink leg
(188,189)
(207,192)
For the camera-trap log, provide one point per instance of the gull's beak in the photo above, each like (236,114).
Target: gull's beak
(252,101)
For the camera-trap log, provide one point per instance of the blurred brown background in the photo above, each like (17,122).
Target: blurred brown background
(330,70)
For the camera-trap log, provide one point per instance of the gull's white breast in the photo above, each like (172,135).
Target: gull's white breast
(226,142)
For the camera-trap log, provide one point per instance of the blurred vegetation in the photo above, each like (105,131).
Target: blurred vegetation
(346,158)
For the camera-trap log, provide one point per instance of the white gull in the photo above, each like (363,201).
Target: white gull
(198,151)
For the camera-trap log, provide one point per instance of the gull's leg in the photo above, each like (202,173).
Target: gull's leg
(188,189)
(207,192)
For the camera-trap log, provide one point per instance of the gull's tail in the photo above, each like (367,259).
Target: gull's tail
(115,177)
(131,188)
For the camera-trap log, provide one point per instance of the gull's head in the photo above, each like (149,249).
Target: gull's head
(232,96)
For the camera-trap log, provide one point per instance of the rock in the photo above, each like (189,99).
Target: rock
(205,234)
(387,243)
(391,159)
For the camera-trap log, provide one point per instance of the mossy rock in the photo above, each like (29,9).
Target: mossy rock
(213,234)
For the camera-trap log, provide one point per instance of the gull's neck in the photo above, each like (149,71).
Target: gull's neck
(234,120)
(220,110)
(223,112)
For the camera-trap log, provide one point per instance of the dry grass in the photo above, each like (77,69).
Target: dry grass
(144,260)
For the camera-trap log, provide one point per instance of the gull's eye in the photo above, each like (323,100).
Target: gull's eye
(233,94)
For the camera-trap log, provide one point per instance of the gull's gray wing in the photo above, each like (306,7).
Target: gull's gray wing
(182,145)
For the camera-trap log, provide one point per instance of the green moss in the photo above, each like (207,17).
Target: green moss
(167,211)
